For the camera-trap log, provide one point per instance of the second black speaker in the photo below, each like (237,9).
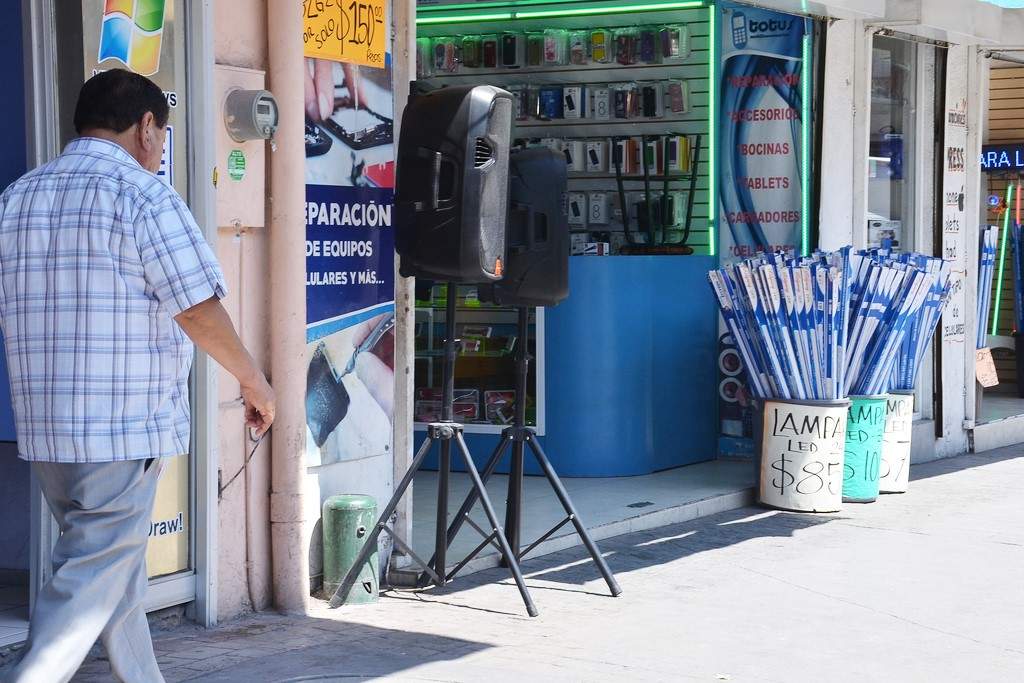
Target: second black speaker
(537,269)
(451,185)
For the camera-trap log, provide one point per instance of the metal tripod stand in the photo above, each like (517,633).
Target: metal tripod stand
(445,431)
(520,436)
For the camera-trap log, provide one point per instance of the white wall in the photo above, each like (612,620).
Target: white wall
(843,202)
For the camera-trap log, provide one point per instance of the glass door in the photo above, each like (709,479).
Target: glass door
(892,143)
(905,161)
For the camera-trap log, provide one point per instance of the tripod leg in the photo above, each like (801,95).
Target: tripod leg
(514,502)
(492,517)
(371,541)
(570,509)
(441,536)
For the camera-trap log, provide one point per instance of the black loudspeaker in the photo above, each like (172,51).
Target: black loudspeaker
(537,269)
(451,185)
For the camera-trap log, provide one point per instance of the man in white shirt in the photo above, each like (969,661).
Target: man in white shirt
(105,283)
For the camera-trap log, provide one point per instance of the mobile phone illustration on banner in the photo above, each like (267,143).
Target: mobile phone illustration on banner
(739,29)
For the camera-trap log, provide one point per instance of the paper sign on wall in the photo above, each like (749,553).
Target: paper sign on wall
(350,31)
(985,368)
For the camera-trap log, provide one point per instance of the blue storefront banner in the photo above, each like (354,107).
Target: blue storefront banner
(349,257)
(760,130)
(759,174)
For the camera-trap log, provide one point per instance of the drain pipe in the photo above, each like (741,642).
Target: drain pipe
(286,203)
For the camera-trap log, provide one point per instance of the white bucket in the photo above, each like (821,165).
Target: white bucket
(802,447)
(899,425)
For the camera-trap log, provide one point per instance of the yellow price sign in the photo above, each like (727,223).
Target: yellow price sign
(350,31)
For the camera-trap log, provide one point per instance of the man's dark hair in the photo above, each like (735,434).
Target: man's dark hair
(118,99)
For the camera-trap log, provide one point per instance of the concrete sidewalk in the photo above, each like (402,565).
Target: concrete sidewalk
(925,586)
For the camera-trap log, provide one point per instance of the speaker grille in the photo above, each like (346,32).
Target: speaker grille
(482,153)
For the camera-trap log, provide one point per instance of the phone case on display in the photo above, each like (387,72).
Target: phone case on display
(520,101)
(597,208)
(575,102)
(601,107)
(652,104)
(513,50)
(471,52)
(649,52)
(577,209)
(535,49)
(490,51)
(578,48)
(575,157)
(675,42)
(676,209)
(626,47)
(550,101)
(424,58)
(678,154)
(556,44)
(445,55)
(621,105)
(631,156)
(439,56)
(533,102)
(678,97)
(654,155)
(597,156)
(601,49)
(632,102)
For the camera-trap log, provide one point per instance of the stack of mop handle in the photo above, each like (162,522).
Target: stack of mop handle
(832,324)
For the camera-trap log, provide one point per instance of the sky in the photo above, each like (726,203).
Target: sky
(1007,3)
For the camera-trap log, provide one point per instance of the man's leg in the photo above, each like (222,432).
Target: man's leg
(126,636)
(104,512)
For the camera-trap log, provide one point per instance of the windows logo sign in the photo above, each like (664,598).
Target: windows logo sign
(132,33)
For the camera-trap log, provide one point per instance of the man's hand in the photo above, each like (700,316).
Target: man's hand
(210,327)
(259,404)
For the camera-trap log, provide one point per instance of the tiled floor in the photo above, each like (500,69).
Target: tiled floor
(13,614)
(999,407)
(604,504)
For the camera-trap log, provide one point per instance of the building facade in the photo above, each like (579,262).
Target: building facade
(895,107)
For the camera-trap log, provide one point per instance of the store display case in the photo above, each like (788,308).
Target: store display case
(485,371)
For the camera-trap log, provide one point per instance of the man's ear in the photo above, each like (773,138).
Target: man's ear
(147,131)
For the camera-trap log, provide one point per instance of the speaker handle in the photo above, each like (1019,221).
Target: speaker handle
(531,223)
(436,161)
